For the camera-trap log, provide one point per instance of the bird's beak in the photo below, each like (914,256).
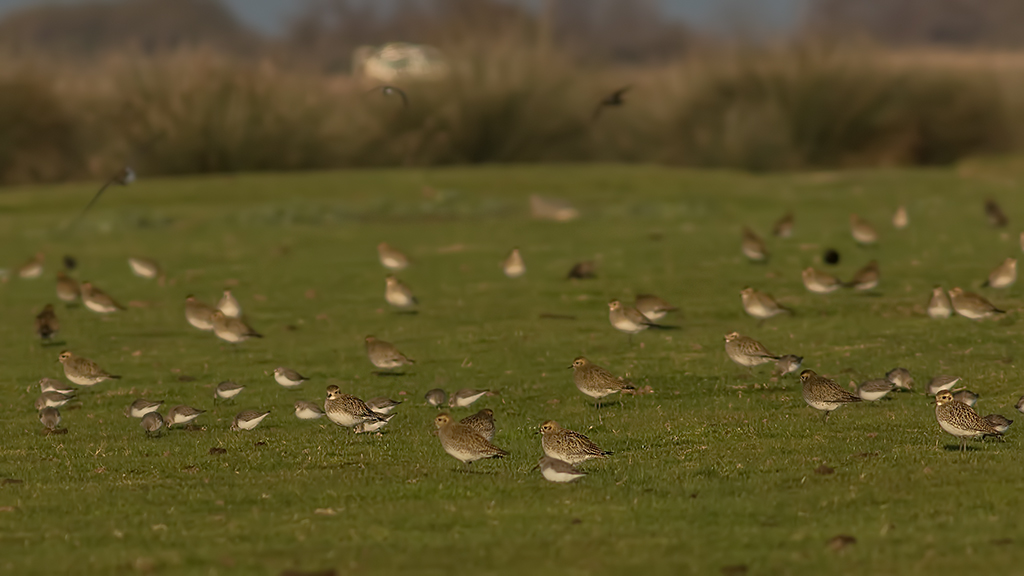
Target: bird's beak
(570,367)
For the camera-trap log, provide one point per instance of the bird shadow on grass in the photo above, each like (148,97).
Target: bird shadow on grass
(956,448)
(609,404)
(475,471)
(54,343)
(383,373)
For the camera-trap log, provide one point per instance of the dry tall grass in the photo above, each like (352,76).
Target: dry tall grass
(802,106)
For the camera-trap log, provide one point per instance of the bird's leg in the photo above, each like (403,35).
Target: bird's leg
(824,419)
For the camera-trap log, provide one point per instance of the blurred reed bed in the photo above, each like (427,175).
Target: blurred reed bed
(801,106)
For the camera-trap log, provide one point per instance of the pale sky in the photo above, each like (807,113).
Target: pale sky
(761,15)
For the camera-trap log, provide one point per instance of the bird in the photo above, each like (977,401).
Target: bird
(347,410)
(232,330)
(862,231)
(652,307)
(227,390)
(761,305)
(182,414)
(141,407)
(49,417)
(199,314)
(1020,405)
(398,294)
(229,305)
(900,218)
(900,378)
(583,270)
(787,364)
(971,305)
(555,470)
(367,427)
(382,405)
(97,300)
(144,267)
(123,177)
(152,422)
(67,288)
(52,399)
(388,90)
(1002,276)
(965,396)
(392,258)
(248,419)
(939,306)
(613,99)
(995,215)
(384,355)
(465,397)
(824,394)
(595,381)
(872,390)
(999,422)
(436,397)
(629,320)
(940,383)
(568,446)
(83,371)
(784,226)
(746,351)
(307,410)
(53,385)
(866,278)
(47,324)
(482,423)
(753,247)
(287,377)
(961,420)
(513,265)
(33,268)
(462,442)
(830,257)
(820,282)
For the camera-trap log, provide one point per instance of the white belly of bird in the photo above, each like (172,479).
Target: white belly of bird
(655,315)
(597,393)
(369,427)
(383,410)
(870,285)
(870,395)
(753,253)
(972,314)
(182,419)
(462,455)
(398,299)
(140,412)
(466,401)
(959,432)
(940,311)
(85,380)
(250,424)
(386,363)
(515,270)
(819,405)
(392,263)
(67,294)
(344,419)
(623,324)
(228,393)
(200,323)
(99,306)
(230,309)
(229,336)
(864,236)
(554,476)
(760,311)
(31,271)
(284,381)
(748,361)
(819,287)
(307,414)
(141,269)
(1003,280)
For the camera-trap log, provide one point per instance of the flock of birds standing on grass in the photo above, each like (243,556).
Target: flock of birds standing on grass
(470,439)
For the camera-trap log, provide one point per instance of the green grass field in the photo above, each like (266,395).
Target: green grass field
(714,469)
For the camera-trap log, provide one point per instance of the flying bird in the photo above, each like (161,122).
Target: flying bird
(613,99)
(387,90)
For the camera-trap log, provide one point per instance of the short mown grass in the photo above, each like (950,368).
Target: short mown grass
(714,469)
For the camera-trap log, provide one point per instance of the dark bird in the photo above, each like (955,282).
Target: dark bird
(995,214)
(70,263)
(613,99)
(583,270)
(391,91)
(47,324)
(831,257)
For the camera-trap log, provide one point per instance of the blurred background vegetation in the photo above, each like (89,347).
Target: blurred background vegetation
(182,86)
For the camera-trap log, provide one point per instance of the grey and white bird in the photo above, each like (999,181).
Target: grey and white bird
(555,470)
(398,294)
(229,305)
(653,307)
(761,305)
(513,266)
(182,414)
(746,351)
(144,267)
(67,288)
(233,330)
(248,419)
(199,314)
(52,400)
(862,231)
(368,427)
(999,422)
(152,422)
(384,355)
(784,226)
(33,268)
(787,364)
(391,258)
(939,306)
(900,219)
(628,319)
(753,247)
(866,278)
(382,404)
(824,394)
(942,382)
(287,377)
(1020,405)
(54,385)
(97,300)
(820,282)
(872,390)
(465,397)
(307,410)
(965,396)
(961,420)
(972,306)
(436,397)
(900,378)
(141,407)
(1002,276)
(227,390)
(49,417)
